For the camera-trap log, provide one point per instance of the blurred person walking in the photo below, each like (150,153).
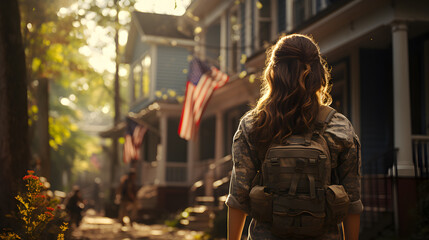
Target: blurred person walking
(127,194)
(75,206)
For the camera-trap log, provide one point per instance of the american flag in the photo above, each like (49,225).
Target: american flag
(133,139)
(202,82)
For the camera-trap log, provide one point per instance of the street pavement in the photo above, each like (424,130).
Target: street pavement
(98,227)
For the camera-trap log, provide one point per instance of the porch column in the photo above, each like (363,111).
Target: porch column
(162,151)
(401,98)
(219,141)
(219,138)
(289,15)
(192,149)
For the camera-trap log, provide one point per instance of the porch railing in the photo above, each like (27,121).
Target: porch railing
(379,188)
(421,155)
(378,195)
(176,173)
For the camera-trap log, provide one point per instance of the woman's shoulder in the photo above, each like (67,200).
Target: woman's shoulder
(341,129)
(247,120)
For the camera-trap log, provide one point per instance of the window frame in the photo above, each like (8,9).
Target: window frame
(230,55)
(258,19)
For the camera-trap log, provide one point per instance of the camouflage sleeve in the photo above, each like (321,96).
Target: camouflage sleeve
(243,172)
(344,146)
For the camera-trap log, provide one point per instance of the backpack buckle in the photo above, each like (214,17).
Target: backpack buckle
(299,165)
(274,162)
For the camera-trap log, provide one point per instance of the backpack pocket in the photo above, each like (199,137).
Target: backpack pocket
(338,203)
(261,204)
(290,218)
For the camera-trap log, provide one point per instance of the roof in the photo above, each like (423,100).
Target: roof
(160,25)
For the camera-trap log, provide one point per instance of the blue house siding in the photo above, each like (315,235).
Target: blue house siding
(171,61)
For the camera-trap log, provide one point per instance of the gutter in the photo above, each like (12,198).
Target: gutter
(168,41)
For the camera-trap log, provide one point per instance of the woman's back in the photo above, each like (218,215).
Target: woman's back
(294,86)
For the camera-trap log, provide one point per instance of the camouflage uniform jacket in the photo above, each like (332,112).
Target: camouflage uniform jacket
(344,147)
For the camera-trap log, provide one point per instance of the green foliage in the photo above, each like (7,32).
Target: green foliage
(35,212)
(54,32)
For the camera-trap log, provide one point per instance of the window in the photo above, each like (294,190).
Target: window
(264,22)
(145,82)
(207,138)
(137,76)
(298,12)
(305,9)
(212,37)
(339,91)
(177,147)
(281,15)
(234,39)
(426,83)
(141,77)
(231,120)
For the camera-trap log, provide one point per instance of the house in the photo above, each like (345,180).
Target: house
(158,53)
(378,51)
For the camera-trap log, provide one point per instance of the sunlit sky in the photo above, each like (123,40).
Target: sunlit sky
(102,60)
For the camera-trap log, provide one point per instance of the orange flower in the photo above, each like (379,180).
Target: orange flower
(30,172)
(50,209)
(26,177)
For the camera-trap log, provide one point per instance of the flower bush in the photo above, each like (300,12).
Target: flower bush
(35,214)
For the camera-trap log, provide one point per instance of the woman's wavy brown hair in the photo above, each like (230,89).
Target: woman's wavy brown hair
(295,82)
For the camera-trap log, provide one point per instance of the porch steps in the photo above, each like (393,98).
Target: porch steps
(200,221)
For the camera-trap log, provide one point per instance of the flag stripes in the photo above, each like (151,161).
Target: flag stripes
(133,140)
(202,82)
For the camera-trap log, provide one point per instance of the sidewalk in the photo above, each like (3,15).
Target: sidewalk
(98,227)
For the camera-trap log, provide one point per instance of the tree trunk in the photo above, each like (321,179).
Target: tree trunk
(42,125)
(117,101)
(14,149)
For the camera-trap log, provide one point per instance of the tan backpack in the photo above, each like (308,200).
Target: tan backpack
(295,194)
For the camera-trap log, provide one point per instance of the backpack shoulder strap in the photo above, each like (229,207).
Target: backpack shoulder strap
(325,115)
